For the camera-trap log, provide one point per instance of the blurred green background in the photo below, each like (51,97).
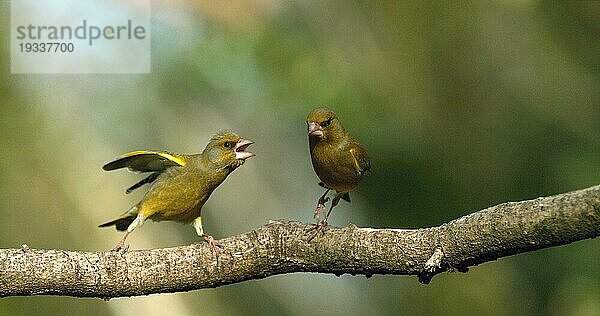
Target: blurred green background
(461,106)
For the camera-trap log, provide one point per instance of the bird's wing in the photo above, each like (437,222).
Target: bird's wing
(361,160)
(148,179)
(146,161)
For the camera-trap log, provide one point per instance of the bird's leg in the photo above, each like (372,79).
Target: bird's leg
(321,225)
(137,222)
(212,243)
(321,205)
(121,245)
(334,203)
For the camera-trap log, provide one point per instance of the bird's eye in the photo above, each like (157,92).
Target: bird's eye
(326,123)
(228,145)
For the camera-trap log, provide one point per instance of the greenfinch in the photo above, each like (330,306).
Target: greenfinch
(339,160)
(180,184)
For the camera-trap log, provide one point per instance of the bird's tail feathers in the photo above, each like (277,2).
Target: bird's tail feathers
(122,222)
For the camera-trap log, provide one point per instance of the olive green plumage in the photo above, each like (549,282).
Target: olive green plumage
(339,160)
(180,184)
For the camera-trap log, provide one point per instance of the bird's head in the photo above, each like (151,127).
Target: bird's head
(227,149)
(323,124)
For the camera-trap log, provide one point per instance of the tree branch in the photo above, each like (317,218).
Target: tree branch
(280,247)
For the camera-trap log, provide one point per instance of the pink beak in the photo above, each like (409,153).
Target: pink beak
(314,129)
(240,149)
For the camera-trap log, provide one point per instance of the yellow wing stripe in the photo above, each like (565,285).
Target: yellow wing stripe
(356,164)
(163,154)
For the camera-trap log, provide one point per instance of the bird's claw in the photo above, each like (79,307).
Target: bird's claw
(120,247)
(212,243)
(318,229)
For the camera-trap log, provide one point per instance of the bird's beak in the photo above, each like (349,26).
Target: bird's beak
(314,129)
(240,149)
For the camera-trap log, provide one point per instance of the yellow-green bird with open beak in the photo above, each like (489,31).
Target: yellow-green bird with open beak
(180,184)
(339,160)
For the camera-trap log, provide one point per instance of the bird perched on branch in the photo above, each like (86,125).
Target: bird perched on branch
(180,184)
(339,160)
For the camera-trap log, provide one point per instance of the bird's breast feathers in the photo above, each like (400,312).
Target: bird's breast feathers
(336,166)
(179,193)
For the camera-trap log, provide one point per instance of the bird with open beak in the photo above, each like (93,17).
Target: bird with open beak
(339,160)
(180,184)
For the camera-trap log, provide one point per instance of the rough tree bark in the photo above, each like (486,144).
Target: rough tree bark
(280,247)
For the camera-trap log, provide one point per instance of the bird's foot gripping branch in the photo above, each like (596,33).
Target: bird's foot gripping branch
(171,177)
(281,247)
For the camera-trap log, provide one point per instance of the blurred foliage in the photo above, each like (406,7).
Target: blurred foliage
(461,106)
